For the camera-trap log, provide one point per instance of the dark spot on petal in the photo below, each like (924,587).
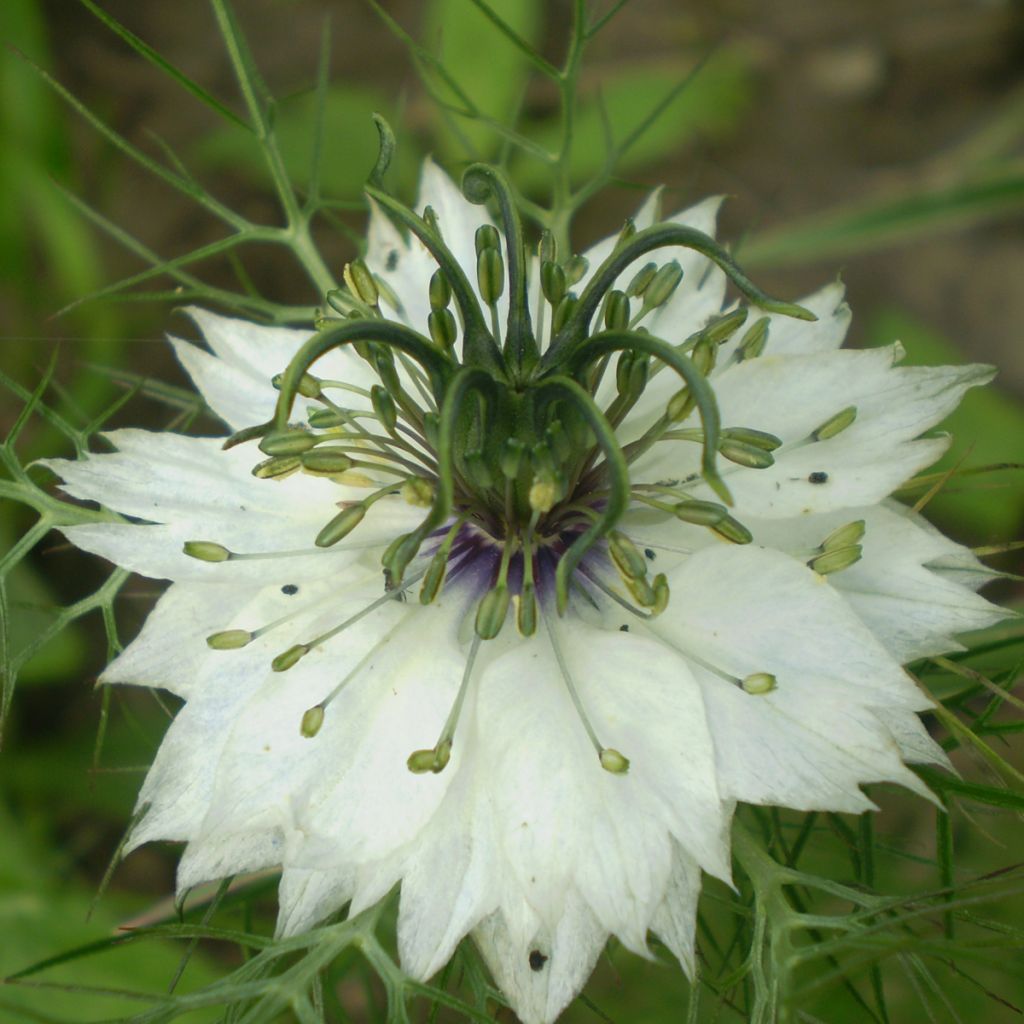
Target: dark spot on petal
(289,589)
(818,477)
(392,260)
(649,553)
(537,960)
(623,628)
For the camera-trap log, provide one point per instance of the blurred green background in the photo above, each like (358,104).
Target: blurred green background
(880,140)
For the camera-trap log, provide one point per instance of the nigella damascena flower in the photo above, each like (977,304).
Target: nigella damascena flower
(544,564)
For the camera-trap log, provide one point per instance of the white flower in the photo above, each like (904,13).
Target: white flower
(748,655)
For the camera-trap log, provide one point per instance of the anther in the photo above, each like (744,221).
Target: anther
(563,311)
(754,341)
(287,442)
(229,639)
(490,275)
(418,491)
(662,286)
(526,610)
(440,291)
(845,536)
(486,237)
(732,530)
(361,283)
(312,720)
(341,525)
(512,457)
(701,513)
(491,612)
(616,311)
(552,282)
(442,327)
(325,462)
(835,560)
(276,466)
(743,454)
(835,425)
(626,555)
(757,438)
(206,551)
(575,268)
(614,762)
(641,279)
(286,659)
(759,683)
(384,407)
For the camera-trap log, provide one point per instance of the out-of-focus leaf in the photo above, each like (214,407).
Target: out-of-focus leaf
(488,67)
(988,424)
(890,219)
(42,912)
(710,104)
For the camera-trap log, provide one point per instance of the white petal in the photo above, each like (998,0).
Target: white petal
(675,921)
(308,896)
(913,610)
(570,951)
(171,648)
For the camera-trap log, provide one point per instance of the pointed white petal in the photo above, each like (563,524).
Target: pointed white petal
(675,920)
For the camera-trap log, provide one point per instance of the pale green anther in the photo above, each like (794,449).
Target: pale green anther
(680,405)
(229,639)
(478,471)
(835,560)
(276,466)
(442,327)
(418,491)
(643,593)
(490,275)
(312,721)
(758,683)
(705,355)
(745,454)
(309,386)
(286,659)
(384,364)
(732,530)
(563,311)
(754,341)
(552,282)
(433,578)
(542,459)
(323,419)
(641,280)
(387,293)
(721,330)
(325,461)
(614,762)
(341,525)
(661,593)
(491,612)
(616,311)
(627,232)
(361,283)
(440,290)
(544,492)
(756,438)
(575,268)
(700,513)
(836,424)
(526,611)
(663,285)
(626,555)
(345,302)
(845,536)
(421,761)
(206,551)
(384,406)
(486,237)
(512,457)
(287,442)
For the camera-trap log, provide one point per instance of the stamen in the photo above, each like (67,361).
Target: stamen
(835,424)
(435,759)
(610,759)
(286,659)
